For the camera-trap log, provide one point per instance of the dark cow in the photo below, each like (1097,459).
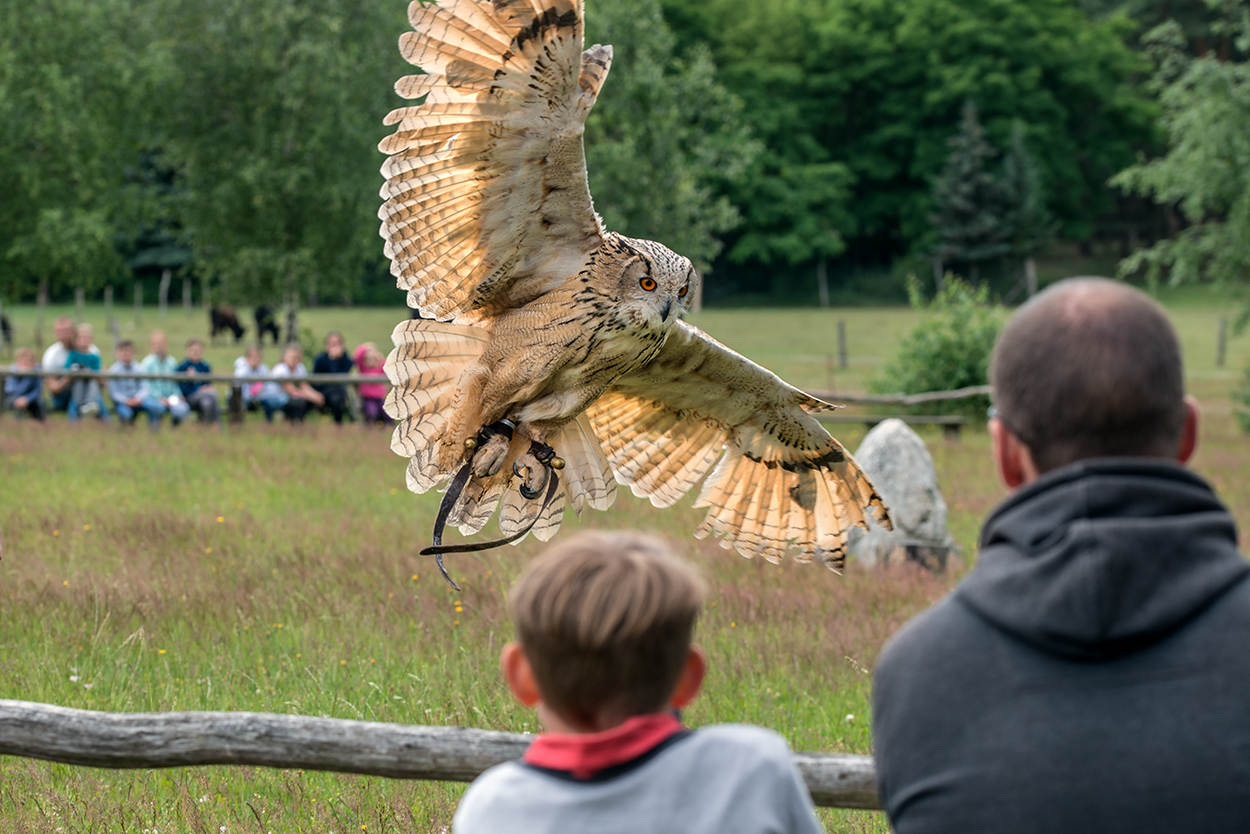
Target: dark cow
(266,323)
(6,332)
(222,318)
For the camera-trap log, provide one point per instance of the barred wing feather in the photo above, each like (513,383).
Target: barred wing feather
(776,481)
(487,204)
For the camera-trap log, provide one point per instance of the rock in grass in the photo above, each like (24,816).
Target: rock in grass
(898,463)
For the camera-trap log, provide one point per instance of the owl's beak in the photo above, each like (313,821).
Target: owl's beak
(668,308)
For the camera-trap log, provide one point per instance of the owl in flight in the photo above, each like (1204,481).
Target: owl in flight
(550,347)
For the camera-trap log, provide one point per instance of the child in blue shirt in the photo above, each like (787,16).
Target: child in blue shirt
(22,392)
(85,399)
(200,396)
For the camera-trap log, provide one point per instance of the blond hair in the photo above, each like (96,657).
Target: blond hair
(606,621)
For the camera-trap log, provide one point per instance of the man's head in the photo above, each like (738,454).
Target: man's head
(1089,368)
(63,327)
(158,344)
(334,344)
(195,350)
(604,626)
(126,350)
(25,358)
(84,336)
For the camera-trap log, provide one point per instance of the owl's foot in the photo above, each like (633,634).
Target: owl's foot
(489,448)
(534,469)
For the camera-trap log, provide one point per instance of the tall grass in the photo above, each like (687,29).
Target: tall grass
(271,569)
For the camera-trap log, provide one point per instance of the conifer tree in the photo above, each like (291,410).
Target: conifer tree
(969,203)
(1029,225)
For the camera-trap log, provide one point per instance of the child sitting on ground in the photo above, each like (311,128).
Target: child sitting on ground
(604,625)
(86,398)
(22,392)
(369,360)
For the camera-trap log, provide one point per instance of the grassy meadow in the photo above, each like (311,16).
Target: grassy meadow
(265,568)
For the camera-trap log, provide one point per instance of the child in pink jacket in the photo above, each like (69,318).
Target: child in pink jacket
(369,361)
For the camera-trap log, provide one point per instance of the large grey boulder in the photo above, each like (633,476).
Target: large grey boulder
(898,463)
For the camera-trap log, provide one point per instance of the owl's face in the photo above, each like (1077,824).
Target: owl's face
(655,285)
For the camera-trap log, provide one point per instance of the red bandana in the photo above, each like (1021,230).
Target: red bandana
(585,754)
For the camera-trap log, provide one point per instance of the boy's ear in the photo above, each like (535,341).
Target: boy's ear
(691,680)
(519,675)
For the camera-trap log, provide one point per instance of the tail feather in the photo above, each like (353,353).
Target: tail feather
(426,369)
(587,475)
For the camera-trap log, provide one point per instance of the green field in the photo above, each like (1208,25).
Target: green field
(270,569)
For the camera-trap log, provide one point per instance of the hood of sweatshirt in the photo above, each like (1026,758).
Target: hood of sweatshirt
(1104,557)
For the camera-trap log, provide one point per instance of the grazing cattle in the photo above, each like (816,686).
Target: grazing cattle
(266,323)
(6,332)
(221,319)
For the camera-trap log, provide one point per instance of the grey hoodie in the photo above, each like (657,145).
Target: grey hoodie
(1092,673)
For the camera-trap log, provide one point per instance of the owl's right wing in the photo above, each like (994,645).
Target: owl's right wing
(487,203)
(778,481)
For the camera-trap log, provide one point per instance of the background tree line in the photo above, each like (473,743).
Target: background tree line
(784,146)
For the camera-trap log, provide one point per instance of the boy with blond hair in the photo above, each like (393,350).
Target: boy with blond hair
(604,653)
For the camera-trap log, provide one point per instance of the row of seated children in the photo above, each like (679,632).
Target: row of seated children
(294,399)
(74,350)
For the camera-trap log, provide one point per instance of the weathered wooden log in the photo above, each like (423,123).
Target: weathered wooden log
(400,751)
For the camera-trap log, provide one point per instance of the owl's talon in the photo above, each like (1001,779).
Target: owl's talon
(489,457)
(534,469)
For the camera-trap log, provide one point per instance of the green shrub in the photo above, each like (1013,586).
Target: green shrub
(1241,401)
(949,349)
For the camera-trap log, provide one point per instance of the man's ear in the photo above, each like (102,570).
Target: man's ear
(1189,434)
(1012,457)
(691,680)
(519,674)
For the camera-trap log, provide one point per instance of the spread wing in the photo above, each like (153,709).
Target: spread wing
(487,203)
(779,482)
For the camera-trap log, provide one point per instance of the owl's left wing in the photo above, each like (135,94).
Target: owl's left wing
(487,203)
(779,482)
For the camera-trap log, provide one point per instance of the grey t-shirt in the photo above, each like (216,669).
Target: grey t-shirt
(726,779)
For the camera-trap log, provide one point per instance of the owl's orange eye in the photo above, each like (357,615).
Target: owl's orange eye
(682,292)
(647,283)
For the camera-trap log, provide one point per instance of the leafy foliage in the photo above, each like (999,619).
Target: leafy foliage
(665,139)
(72,118)
(1241,401)
(276,110)
(876,85)
(949,349)
(1030,226)
(969,200)
(1206,170)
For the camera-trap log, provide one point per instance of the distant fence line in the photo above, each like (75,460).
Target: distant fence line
(452,754)
(320,379)
(357,379)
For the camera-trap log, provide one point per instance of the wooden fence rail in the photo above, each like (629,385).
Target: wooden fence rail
(357,379)
(319,379)
(400,751)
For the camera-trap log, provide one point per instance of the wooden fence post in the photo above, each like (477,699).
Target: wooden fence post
(80,302)
(1221,341)
(138,304)
(842,344)
(162,296)
(186,294)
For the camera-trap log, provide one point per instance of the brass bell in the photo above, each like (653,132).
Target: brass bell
(557,464)
(470,444)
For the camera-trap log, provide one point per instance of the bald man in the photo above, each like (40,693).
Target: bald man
(1092,672)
